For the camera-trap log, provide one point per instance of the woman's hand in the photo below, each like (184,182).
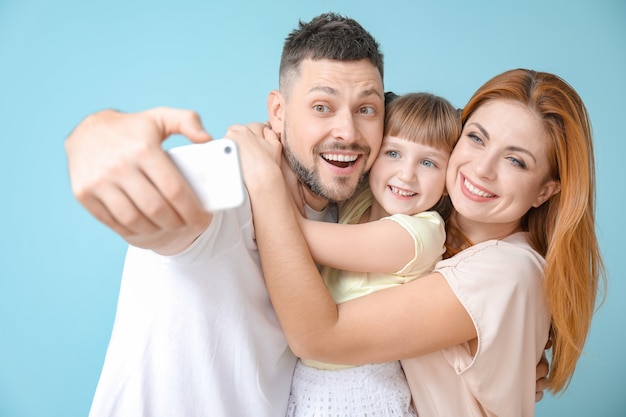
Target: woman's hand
(260,152)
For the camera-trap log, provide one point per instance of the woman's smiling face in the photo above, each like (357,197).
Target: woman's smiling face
(499,169)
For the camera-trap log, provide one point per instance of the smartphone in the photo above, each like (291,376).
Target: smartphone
(213,171)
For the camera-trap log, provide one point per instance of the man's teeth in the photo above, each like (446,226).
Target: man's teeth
(339,157)
(476,191)
(401,192)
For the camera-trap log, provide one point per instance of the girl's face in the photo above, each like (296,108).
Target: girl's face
(407,177)
(498,170)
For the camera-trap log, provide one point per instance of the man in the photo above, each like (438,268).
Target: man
(195,333)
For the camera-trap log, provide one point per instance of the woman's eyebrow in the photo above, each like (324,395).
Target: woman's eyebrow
(482,129)
(522,150)
(510,148)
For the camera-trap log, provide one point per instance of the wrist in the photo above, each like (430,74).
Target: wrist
(266,179)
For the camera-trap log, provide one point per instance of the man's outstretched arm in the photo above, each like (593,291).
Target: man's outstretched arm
(120,173)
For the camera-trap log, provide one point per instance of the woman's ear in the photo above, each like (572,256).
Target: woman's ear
(276,111)
(550,188)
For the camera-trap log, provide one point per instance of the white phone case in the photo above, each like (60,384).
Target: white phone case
(214,172)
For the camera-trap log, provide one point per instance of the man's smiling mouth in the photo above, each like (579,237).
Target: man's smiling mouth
(340,160)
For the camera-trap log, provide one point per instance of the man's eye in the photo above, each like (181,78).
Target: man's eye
(367,110)
(321,108)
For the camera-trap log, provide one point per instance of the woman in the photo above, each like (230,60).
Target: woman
(522,251)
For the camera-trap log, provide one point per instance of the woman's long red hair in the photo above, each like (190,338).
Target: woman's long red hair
(563,228)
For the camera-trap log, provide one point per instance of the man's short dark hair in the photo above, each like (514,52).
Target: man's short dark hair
(328,36)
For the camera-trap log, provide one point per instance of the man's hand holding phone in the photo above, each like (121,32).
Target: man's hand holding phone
(213,171)
(120,173)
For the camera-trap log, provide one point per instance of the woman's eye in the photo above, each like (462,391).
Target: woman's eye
(517,162)
(475,139)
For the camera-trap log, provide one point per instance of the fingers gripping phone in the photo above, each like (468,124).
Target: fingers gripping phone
(213,171)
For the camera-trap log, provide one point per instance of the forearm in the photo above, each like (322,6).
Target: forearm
(382,246)
(375,328)
(303,305)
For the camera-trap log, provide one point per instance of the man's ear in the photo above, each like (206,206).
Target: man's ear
(550,188)
(276,110)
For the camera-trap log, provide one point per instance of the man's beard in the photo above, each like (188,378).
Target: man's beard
(337,192)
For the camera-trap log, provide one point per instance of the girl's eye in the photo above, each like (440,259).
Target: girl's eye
(393,154)
(428,163)
(366,110)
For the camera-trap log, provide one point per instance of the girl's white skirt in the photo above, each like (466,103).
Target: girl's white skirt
(369,390)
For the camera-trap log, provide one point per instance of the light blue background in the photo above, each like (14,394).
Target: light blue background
(60,60)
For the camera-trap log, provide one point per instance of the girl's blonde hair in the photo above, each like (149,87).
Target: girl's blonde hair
(423,118)
(563,228)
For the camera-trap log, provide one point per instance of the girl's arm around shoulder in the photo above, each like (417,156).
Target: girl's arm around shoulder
(386,245)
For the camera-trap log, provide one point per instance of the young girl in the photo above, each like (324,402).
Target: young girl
(406,180)
(522,252)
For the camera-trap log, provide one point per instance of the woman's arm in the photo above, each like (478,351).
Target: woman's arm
(401,322)
(415,318)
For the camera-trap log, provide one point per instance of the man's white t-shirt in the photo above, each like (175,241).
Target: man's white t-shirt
(195,334)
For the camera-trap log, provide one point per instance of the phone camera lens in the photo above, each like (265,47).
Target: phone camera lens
(227,150)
